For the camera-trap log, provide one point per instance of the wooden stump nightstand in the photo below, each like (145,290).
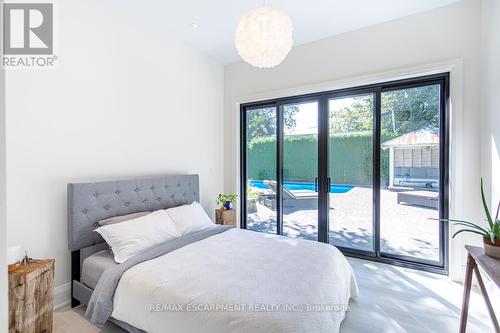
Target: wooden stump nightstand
(225,216)
(31,297)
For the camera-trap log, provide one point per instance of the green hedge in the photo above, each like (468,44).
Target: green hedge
(350,159)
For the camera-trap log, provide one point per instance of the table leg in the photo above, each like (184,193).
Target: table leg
(467,285)
(486,299)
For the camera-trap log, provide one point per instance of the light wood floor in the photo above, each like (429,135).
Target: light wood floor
(392,299)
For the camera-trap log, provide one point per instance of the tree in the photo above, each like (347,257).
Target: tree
(406,110)
(356,117)
(262,121)
(403,111)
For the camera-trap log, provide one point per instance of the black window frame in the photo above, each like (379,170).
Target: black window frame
(443,80)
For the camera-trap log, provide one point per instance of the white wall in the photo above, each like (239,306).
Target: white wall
(3,224)
(490,48)
(126,100)
(442,34)
(491,99)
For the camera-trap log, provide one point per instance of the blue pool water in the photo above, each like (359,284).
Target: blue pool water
(292,186)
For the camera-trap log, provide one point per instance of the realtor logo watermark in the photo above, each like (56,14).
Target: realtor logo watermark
(28,35)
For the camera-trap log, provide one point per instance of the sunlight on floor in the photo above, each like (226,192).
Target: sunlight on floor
(394,299)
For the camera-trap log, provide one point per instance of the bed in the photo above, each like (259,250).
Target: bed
(221,280)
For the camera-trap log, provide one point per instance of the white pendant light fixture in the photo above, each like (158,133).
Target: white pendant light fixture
(263,37)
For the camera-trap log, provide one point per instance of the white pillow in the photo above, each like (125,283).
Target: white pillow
(131,237)
(190,218)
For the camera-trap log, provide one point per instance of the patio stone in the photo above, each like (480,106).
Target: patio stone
(405,229)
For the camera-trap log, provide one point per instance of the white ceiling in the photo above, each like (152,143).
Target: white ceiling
(312,19)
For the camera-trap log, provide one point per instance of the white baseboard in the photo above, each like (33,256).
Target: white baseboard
(62,296)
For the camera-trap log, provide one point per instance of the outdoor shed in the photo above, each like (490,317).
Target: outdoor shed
(414,159)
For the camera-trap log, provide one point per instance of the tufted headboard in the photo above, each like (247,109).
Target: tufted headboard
(92,202)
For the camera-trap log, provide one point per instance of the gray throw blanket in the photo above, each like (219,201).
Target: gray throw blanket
(100,305)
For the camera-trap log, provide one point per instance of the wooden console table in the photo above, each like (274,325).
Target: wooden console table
(491,266)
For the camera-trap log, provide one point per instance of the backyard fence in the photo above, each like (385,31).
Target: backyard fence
(350,159)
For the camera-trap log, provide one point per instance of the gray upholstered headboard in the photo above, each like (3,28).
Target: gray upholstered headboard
(91,202)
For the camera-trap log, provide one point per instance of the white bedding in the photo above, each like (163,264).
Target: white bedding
(245,270)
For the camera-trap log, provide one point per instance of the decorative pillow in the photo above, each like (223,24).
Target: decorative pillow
(131,237)
(190,218)
(122,218)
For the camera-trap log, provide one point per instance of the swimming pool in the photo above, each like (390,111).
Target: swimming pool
(292,186)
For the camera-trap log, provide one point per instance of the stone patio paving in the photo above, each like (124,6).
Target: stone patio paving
(405,229)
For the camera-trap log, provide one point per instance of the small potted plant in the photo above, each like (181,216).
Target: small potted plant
(225,201)
(491,235)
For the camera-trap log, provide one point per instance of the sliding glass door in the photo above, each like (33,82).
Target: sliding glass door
(281,145)
(300,169)
(261,157)
(351,170)
(410,176)
(364,169)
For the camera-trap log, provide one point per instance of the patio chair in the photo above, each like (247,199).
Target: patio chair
(426,199)
(292,200)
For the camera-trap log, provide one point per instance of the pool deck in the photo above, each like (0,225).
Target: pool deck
(405,229)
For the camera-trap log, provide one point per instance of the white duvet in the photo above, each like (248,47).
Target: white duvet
(239,281)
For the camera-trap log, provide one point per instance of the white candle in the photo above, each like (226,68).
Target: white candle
(14,254)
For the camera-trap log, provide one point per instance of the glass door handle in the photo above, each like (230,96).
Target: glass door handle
(328,184)
(316,180)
